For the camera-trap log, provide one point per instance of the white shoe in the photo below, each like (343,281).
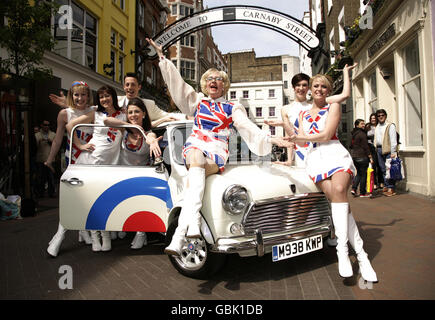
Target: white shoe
(84,236)
(56,241)
(114,235)
(140,239)
(96,244)
(193,231)
(176,245)
(365,267)
(122,234)
(107,241)
(193,201)
(340,212)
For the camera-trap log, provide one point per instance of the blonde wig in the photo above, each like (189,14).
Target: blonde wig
(222,74)
(78,85)
(324,78)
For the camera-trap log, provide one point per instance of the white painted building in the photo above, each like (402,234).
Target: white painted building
(290,67)
(262,101)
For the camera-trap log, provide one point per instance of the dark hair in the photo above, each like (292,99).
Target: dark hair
(132,75)
(381,111)
(112,92)
(146,122)
(357,122)
(299,77)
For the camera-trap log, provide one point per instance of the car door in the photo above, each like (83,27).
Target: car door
(114,198)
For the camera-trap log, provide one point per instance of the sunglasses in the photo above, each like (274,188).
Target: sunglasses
(214,79)
(380,115)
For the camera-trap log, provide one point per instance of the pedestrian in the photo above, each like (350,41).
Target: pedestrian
(44,138)
(361,156)
(206,150)
(330,166)
(79,99)
(102,149)
(135,151)
(377,172)
(386,148)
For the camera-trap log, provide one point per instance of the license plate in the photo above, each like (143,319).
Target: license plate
(296,248)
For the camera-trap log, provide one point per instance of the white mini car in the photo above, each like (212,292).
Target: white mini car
(252,208)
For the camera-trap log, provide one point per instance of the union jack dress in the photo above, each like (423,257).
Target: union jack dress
(134,155)
(210,133)
(324,158)
(213,120)
(84,133)
(107,142)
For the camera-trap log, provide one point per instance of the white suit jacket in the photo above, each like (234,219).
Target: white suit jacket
(154,112)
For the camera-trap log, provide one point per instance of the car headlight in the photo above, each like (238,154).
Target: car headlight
(235,199)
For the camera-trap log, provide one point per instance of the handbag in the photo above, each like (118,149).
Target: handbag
(370,179)
(396,169)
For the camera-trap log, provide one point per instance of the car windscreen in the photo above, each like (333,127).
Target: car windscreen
(239,152)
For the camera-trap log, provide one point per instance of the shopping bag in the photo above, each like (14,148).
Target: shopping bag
(9,209)
(370,179)
(396,169)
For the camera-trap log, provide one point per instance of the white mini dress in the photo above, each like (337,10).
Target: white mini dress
(107,142)
(324,158)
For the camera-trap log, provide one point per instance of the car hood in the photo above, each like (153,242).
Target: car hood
(268,181)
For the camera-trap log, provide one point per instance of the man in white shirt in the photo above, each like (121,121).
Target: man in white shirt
(386,147)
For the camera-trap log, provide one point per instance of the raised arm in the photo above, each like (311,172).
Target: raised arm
(338,98)
(331,126)
(62,119)
(59,100)
(184,96)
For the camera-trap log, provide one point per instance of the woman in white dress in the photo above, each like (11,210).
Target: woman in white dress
(206,150)
(79,100)
(103,148)
(135,151)
(330,166)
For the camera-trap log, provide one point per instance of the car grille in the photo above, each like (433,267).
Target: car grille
(287,214)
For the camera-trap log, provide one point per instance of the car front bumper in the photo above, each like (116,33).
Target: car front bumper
(260,243)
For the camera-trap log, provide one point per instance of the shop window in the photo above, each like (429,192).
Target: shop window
(412,95)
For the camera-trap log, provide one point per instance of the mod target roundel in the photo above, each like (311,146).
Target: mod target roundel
(157,190)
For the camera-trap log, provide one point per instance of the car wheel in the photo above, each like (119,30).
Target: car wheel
(195,261)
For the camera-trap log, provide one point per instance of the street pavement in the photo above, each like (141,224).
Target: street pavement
(398,235)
